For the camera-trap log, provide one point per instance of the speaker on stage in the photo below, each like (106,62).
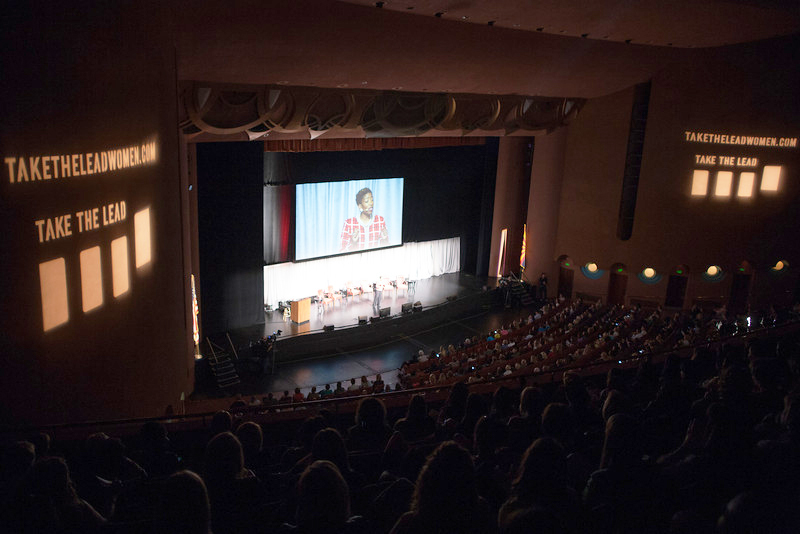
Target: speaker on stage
(407,307)
(385,312)
(362,319)
(328,328)
(417,306)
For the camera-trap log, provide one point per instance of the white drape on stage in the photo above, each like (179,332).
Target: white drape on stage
(413,261)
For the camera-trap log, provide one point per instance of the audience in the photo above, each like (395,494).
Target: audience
(183,507)
(708,442)
(323,504)
(446,496)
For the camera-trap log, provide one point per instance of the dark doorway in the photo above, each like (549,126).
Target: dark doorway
(565,282)
(676,291)
(740,293)
(617,285)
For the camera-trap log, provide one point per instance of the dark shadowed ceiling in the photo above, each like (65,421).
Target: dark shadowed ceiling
(550,53)
(679,23)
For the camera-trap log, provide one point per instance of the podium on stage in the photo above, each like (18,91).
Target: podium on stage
(300,310)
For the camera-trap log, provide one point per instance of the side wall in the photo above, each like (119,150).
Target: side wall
(93,318)
(736,92)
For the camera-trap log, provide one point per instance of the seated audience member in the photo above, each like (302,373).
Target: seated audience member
(154,452)
(305,437)
(252,439)
(622,493)
(525,428)
(108,470)
(286,399)
(329,445)
(50,503)
(446,496)
(417,424)
(238,403)
(183,506)
(221,422)
(365,384)
(476,408)
(298,395)
(370,431)
(377,386)
(233,490)
(455,405)
(323,505)
(327,392)
(339,389)
(313,395)
(541,483)
(17,459)
(353,387)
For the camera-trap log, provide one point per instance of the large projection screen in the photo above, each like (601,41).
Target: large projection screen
(351,216)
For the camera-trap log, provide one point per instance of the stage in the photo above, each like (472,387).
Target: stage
(344,311)
(454,306)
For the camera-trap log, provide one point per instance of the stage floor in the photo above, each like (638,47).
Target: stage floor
(344,312)
(384,357)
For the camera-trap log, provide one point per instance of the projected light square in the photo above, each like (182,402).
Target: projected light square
(699,183)
(141,230)
(53,283)
(724,184)
(91,279)
(352,216)
(770,178)
(746,182)
(120,278)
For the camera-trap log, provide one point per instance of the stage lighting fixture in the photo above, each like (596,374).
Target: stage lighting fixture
(591,267)
(649,272)
(712,270)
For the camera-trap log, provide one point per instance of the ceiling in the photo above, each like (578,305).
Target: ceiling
(355,45)
(552,52)
(678,23)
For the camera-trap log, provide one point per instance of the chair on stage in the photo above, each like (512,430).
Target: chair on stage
(323,299)
(334,295)
(352,290)
(402,285)
(366,287)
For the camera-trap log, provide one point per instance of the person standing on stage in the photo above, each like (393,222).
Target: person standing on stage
(367,230)
(377,293)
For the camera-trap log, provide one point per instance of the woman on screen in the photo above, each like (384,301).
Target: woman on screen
(367,230)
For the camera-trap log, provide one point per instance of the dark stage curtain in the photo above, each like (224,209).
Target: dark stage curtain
(230,200)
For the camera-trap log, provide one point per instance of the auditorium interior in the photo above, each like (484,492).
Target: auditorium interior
(640,156)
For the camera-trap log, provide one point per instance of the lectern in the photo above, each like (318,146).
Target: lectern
(300,310)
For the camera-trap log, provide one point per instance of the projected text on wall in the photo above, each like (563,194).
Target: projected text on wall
(121,244)
(723,175)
